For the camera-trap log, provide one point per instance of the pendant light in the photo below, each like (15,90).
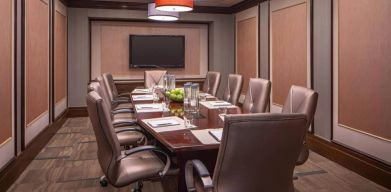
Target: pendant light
(174,5)
(158,15)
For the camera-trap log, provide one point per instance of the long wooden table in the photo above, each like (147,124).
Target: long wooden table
(182,143)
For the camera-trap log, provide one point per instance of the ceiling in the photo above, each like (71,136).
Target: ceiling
(214,3)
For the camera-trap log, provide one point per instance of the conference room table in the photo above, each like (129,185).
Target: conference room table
(182,144)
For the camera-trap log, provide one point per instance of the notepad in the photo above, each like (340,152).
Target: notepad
(163,123)
(141,91)
(220,103)
(149,107)
(142,97)
(217,134)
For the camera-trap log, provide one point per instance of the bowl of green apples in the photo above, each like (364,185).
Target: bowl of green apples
(175,95)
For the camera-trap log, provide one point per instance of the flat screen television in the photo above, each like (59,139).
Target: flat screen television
(156,51)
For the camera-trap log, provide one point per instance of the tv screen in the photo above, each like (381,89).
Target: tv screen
(155,51)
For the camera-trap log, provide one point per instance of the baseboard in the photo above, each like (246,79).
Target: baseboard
(363,165)
(77,112)
(10,173)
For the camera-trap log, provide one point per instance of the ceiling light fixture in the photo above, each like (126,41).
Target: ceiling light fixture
(174,5)
(158,15)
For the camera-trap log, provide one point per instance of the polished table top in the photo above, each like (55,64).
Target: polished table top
(184,140)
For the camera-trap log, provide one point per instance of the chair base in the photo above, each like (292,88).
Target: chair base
(103,181)
(139,187)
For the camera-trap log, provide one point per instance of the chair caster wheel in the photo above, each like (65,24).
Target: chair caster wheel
(103,182)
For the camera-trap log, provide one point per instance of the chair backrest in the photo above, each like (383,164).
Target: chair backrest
(301,100)
(258,152)
(101,90)
(211,83)
(233,89)
(153,78)
(257,96)
(108,145)
(108,83)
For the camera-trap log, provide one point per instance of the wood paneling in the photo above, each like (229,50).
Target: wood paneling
(5,70)
(364,68)
(37,59)
(289,50)
(246,49)
(60,58)
(112,38)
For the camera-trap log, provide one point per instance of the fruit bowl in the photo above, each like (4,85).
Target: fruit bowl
(175,95)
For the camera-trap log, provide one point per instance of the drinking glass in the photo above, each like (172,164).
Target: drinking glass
(194,102)
(203,97)
(222,113)
(187,97)
(188,119)
(166,108)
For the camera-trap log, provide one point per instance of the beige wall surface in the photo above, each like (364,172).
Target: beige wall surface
(221,44)
(110,47)
(246,50)
(5,70)
(364,66)
(37,59)
(289,50)
(60,56)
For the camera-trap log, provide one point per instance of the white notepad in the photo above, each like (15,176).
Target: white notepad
(163,123)
(216,104)
(139,91)
(142,97)
(149,107)
(220,103)
(217,134)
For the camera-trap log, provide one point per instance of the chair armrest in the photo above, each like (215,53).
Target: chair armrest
(120,101)
(125,129)
(124,122)
(124,95)
(202,172)
(150,148)
(123,110)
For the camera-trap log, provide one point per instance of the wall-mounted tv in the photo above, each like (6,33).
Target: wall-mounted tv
(156,51)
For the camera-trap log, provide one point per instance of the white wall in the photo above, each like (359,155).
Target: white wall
(221,45)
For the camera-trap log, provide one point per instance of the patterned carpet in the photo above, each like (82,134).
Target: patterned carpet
(69,163)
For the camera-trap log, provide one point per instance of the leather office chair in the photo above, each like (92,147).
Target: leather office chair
(258,152)
(302,100)
(119,100)
(152,78)
(121,105)
(211,83)
(128,133)
(233,89)
(257,96)
(121,168)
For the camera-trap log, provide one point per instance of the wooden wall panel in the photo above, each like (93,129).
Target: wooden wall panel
(60,58)
(37,59)
(289,50)
(364,66)
(5,70)
(246,49)
(110,48)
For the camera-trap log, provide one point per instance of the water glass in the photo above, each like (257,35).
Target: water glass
(188,119)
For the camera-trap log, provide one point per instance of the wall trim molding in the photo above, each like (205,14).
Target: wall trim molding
(368,167)
(76,112)
(143,6)
(15,167)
